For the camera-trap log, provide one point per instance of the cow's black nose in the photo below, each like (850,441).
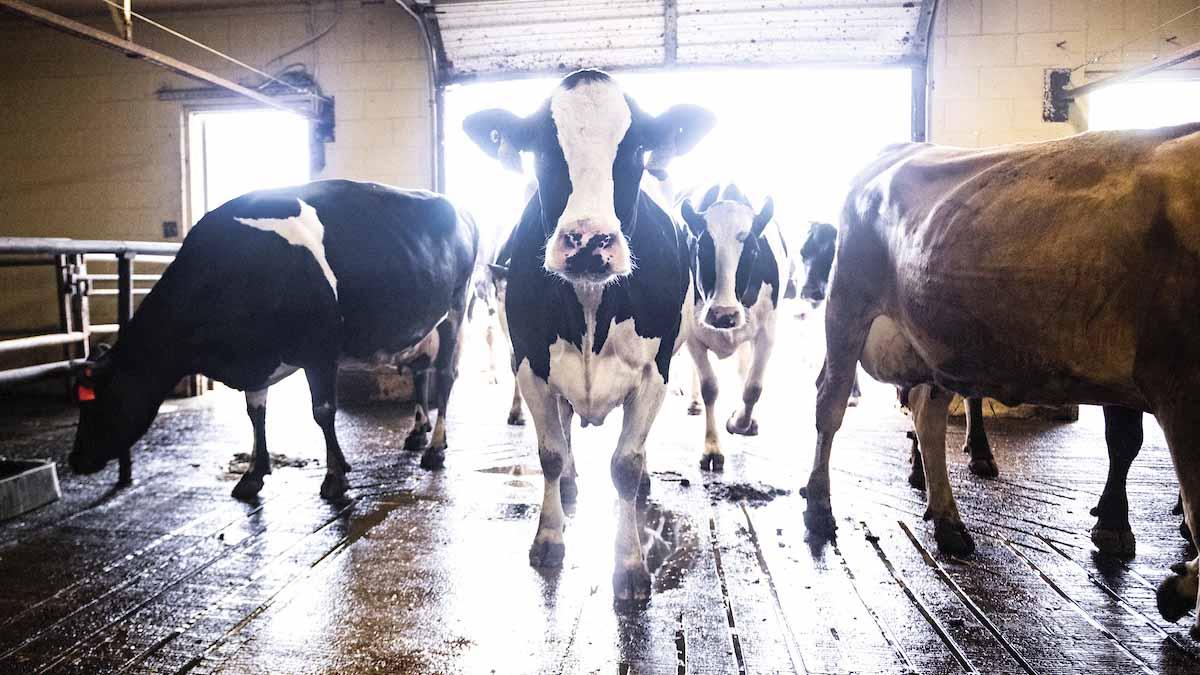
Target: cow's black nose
(586,263)
(814,294)
(721,318)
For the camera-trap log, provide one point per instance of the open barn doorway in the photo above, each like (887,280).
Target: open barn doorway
(796,134)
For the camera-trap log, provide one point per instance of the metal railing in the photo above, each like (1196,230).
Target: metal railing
(75,287)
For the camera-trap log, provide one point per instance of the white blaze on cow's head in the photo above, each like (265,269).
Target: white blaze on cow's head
(730,236)
(817,257)
(589,142)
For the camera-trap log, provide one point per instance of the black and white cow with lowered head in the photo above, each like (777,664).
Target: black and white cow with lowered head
(741,269)
(598,287)
(279,280)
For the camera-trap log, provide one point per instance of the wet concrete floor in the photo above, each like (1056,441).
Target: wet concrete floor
(425,572)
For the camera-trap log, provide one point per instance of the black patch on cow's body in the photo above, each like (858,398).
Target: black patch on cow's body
(542,307)
(239,301)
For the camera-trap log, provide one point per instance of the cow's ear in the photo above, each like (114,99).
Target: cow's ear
(500,134)
(677,131)
(764,216)
(695,221)
(498,271)
(709,198)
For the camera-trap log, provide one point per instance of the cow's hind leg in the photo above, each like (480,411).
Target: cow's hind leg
(422,376)
(568,489)
(631,579)
(743,422)
(547,549)
(916,475)
(711,459)
(1123,434)
(516,414)
(322,385)
(695,408)
(251,482)
(446,367)
(930,406)
(983,464)
(1177,593)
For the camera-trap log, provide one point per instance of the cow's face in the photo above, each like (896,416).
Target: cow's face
(817,257)
(729,235)
(109,423)
(589,143)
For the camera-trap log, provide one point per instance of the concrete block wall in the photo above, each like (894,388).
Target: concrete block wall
(88,151)
(988,59)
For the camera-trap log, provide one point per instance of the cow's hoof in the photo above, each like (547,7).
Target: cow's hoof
(750,429)
(852,402)
(334,487)
(568,490)
(248,487)
(712,463)
(433,459)
(1118,541)
(1184,531)
(417,440)
(546,553)
(952,537)
(516,420)
(695,409)
(916,478)
(631,587)
(820,522)
(984,467)
(1174,602)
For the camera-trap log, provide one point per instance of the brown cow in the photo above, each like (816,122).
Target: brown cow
(1059,272)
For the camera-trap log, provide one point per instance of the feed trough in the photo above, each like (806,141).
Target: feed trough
(26,485)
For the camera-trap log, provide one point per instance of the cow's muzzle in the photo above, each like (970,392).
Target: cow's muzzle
(724,318)
(581,254)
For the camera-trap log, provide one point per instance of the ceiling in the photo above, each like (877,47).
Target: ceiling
(496,37)
(87,7)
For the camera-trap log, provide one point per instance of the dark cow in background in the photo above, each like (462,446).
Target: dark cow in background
(1122,426)
(279,280)
(598,285)
(1057,272)
(740,271)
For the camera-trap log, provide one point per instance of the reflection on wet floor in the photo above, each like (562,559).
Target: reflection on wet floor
(428,572)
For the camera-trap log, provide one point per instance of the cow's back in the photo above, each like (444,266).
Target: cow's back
(1091,241)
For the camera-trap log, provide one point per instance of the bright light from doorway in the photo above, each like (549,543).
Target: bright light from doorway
(798,135)
(1144,105)
(236,151)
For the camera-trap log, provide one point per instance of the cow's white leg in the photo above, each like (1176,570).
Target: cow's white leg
(712,459)
(848,318)
(1177,593)
(547,549)
(489,336)
(567,487)
(450,332)
(745,357)
(322,384)
(251,482)
(743,422)
(422,376)
(516,414)
(930,405)
(694,408)
(631,579)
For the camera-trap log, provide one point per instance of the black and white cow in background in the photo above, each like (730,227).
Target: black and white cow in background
(279,280)
(740,272)
(598,288)
(1122,426)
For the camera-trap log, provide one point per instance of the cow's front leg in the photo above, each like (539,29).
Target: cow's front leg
(983,464)
(930,405)
(251,482)
(631,579)
(712,459)
(322,385)
(1123,435)
(743,422)
(446,369)
(548,548)
(695,408)
(1177,593)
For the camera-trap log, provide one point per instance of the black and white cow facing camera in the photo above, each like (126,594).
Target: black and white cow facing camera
(589,142)
(597,294)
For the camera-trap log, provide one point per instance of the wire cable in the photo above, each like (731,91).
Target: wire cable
(1123,45)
